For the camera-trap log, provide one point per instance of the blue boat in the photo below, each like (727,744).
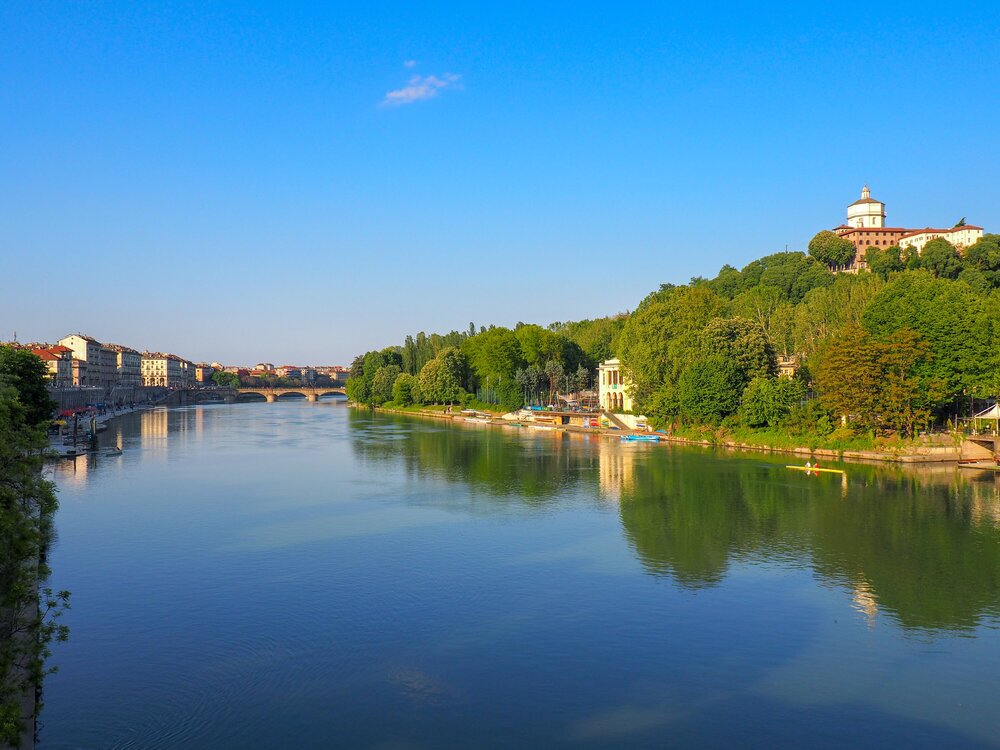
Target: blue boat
(640,438)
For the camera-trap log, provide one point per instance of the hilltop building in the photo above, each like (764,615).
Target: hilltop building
(865,227)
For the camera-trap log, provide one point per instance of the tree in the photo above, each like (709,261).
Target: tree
(554,371)
(794,274)
(452,374)
(442,378)
(767,401)
(984,254)
(596,338)
(831,249)
(660,339)
(494,355)
(976,279)
(538,345)
(728,283)
(581,379)
(876,383)
(406,389)
(428,382)
(761,304)
(28,376)
(225,379)
(710,389)
(744,343)
(359,386)
(28,615)
(826,310)
(383,382)
(884,261)
(941,258)
(910,258)
(952,318)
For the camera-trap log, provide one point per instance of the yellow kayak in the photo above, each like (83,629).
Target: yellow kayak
(816,468)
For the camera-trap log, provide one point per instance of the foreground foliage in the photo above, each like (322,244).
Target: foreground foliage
(28,617)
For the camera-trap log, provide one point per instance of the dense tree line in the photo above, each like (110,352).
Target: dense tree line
(508,367)
(906,343)
(28,615)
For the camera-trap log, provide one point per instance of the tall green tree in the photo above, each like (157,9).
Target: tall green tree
(952,318)
(884,261)
(767,401)
(28,375)
(710,389)
(406,389)
(831,249)
(659,340)
(28,615)
(744,343)
(877,384)
(383,382)
(941,258)
(794,274)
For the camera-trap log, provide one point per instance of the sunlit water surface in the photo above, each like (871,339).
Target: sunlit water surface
(305,575)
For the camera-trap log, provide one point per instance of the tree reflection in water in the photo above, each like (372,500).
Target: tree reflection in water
(921,544)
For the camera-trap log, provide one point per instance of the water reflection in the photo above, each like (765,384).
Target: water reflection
(920,545)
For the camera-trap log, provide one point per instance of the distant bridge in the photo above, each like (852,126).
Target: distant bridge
(310,393)
(230,395)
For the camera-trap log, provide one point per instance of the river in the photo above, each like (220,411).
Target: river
(307,575)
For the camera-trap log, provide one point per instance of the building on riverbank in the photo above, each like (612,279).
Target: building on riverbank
(163,370)
(128,364)
(204,372)
(58,363)
(88,351)
(613,387)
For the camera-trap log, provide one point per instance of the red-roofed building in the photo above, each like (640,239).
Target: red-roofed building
(866,228)
(59,364)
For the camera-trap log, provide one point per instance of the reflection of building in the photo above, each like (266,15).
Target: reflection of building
(617,469)
(984,502)
(613,387)
(864,601)
(866,228)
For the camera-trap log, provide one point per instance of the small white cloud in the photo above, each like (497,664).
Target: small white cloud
(410,64)
(420,88)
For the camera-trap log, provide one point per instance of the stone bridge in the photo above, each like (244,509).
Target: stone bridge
(310,393)
(231,395)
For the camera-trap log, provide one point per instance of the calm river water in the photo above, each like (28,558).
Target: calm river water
(304,575)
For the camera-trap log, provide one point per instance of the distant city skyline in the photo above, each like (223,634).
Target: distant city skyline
(297,185)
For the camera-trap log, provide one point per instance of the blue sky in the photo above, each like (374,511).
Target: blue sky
(238,182)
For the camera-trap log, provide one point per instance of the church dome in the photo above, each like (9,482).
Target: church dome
(866,211)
